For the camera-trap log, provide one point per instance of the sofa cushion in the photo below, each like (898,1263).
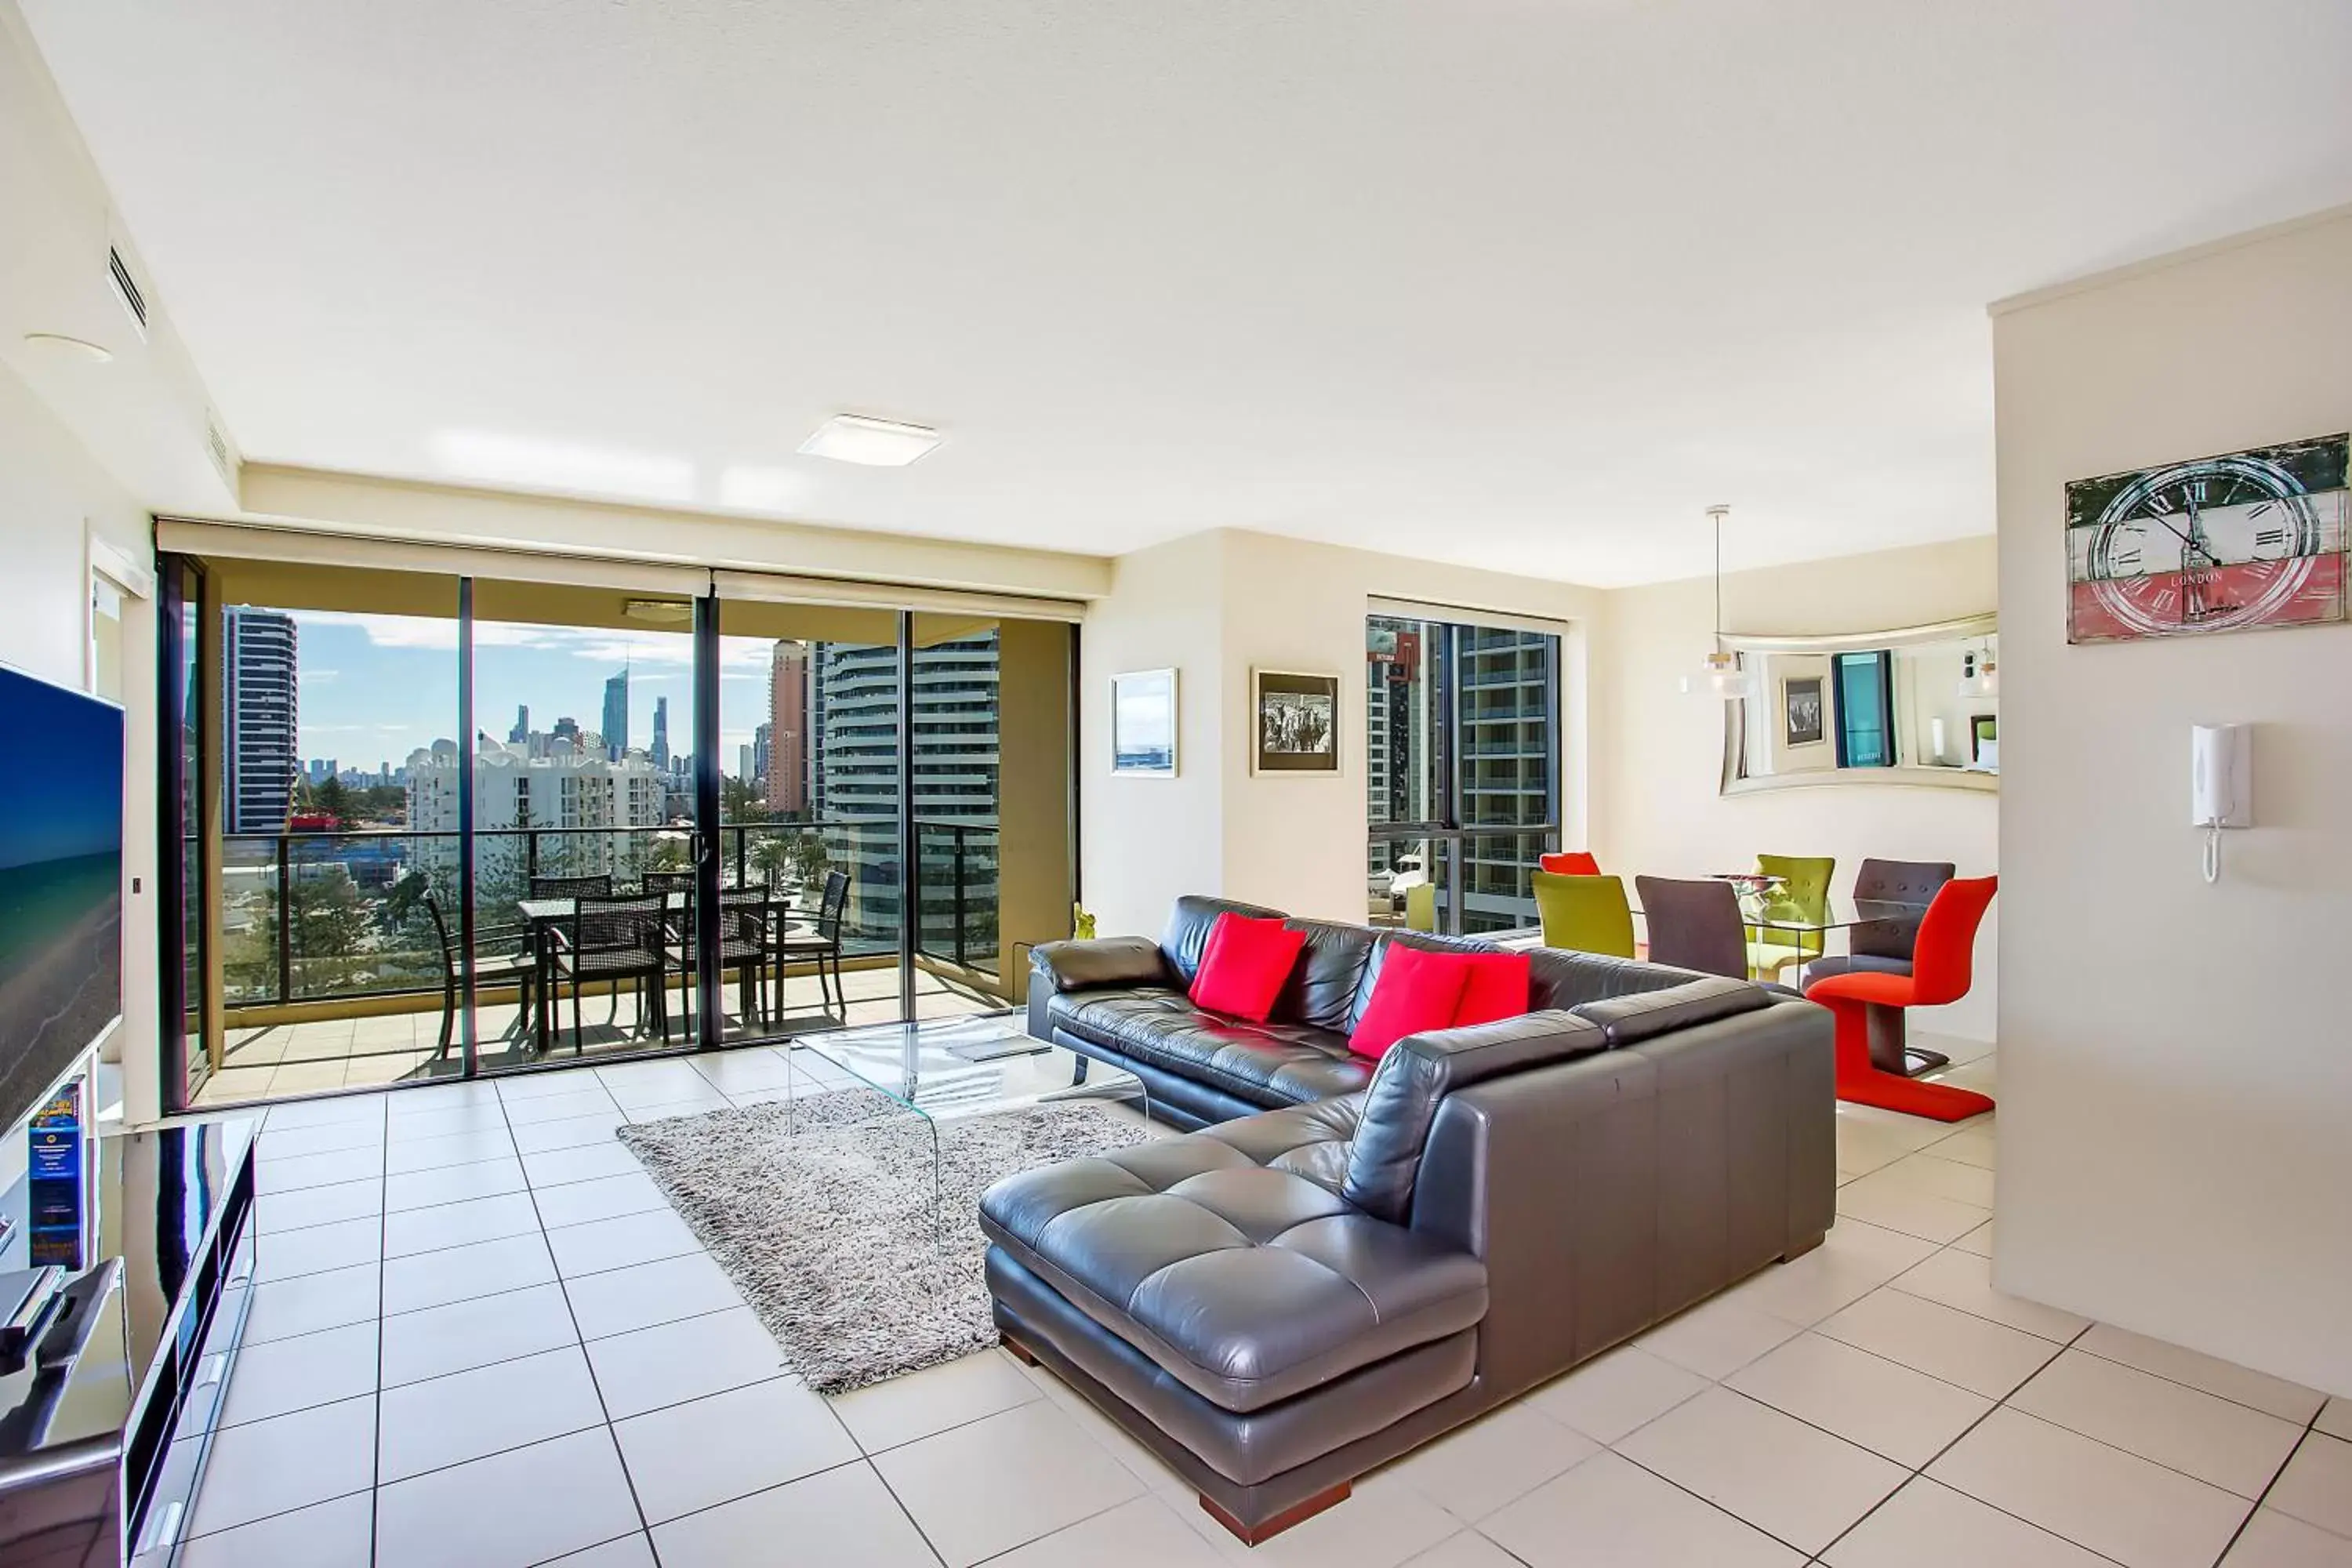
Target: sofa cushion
(1703,999)
(1244,1278)
(1560,978)
(1496,989)
(1556,978)
(1413,1080)
(1418,990)
(1245,965)
(1322,990)
(1189,923)
(1272,1065)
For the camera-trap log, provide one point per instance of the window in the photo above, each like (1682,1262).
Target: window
(1463,752)
(1865,710)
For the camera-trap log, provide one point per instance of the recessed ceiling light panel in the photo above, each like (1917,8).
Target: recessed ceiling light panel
(877,443)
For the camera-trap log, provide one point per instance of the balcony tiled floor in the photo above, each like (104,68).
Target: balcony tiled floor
(482,1340)
(323,1054)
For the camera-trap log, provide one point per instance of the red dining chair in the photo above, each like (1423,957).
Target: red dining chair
(1940,972)
(1569,863)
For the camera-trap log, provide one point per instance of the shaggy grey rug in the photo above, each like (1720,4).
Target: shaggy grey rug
(821,1215)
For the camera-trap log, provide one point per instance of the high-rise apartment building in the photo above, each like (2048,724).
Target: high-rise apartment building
(562,788)
(1504,686)
(259,702)
(758,774)
(617,716)
(855,696)
(566,728)
(1494,763)
(787,773)
(520,735)
(661,733)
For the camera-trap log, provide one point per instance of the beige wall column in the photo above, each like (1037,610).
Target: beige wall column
(1034,762)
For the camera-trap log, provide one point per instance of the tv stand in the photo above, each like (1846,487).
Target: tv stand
(110,1397)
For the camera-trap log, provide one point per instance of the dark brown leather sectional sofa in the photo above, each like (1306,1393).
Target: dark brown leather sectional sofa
(1353,1261)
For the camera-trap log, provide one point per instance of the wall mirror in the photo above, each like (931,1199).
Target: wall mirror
(1920,705)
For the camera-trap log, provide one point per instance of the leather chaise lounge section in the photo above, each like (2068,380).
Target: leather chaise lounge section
(1352,1261)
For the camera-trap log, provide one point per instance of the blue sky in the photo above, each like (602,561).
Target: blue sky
(375,688)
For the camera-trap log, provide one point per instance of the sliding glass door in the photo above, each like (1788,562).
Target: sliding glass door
(1462,741)
(435,825)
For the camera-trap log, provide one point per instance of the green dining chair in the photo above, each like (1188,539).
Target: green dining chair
(1805,891)
(1421,906)
(1587,914)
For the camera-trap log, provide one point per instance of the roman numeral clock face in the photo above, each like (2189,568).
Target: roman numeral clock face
(2213,545)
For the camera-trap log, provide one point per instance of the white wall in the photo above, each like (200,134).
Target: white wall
(53,496)
(2176,1151)
(1663,763)
(1216,605)
(1142,841)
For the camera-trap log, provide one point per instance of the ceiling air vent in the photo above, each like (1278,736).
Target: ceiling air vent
(217,445)
(126,288)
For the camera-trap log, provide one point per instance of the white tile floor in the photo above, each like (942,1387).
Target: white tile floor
(482,1338)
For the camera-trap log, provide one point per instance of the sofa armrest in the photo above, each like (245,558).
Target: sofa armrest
(1413,1078)
(1056,967)
(1608,1192)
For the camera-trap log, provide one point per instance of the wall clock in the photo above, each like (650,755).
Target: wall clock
(2213,544)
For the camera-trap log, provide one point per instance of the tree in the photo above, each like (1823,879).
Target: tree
(738,801)
(810,859)
(332,799)
(328,919)
(773,857)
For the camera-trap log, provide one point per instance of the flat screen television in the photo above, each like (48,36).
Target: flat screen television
(60,884)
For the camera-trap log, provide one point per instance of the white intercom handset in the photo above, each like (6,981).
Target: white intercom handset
(2221,786)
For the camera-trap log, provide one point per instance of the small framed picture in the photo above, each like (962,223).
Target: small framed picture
(1297,722)
(1143,724)
(1801,703)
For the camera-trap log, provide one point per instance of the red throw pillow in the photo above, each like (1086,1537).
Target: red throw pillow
(1417,989)
(1244,964)
(1497,987)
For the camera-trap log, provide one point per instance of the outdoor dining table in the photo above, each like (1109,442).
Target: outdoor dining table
(543,915)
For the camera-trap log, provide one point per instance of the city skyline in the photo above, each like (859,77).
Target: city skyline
(374,688)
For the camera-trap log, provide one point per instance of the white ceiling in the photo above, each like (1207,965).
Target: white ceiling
(1518,283)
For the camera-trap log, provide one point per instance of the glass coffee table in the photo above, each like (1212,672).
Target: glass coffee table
(939,1070)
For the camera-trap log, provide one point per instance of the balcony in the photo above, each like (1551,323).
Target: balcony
(330,974)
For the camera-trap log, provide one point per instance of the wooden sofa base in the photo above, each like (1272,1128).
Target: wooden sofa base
(1297,1513)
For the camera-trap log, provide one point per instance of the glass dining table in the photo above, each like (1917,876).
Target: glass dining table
(1774,916)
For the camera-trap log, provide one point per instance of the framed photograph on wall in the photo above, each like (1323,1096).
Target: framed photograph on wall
(1298,721)
(1143,724)
(1803,721)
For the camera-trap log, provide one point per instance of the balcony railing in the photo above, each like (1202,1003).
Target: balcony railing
(340,915)
(956,866)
